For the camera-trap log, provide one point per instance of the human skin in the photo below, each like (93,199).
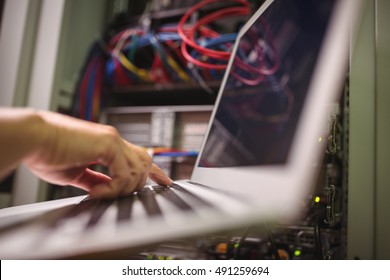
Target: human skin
(59,149)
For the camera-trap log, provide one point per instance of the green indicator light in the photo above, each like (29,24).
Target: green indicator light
(317,199)
(297,253)
(149,257)
(236,245)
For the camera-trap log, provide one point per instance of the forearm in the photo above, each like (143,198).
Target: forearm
(22,132)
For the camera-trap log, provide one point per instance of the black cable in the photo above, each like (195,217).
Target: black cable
(241,243)
(274,250)
(317,238)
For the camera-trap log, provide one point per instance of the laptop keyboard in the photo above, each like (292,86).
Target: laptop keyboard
(92,219)
(151,201)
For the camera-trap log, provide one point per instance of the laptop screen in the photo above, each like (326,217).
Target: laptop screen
(267,85)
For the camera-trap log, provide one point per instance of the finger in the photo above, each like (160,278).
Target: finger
(142,182)
(89,179)
(118,168)
(158,176)
(139,165)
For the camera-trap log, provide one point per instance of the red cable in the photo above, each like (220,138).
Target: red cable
(193,10)
(221,55)
(190,42)
(253,82)
(210,18)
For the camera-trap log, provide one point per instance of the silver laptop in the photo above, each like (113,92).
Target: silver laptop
(259,157)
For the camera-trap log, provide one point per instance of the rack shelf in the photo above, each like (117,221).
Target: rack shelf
(160,95)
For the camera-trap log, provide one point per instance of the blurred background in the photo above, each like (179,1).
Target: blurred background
(122,62)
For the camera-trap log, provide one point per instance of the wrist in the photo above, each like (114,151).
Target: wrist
(40,132)
(24,132)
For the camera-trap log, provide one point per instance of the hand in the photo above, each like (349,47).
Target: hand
(72,144)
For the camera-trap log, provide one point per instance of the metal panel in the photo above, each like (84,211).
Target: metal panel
(382,162)
(369,176)
(361,186)
(16,38)
(26,185)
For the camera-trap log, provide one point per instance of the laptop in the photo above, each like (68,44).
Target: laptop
(257,163)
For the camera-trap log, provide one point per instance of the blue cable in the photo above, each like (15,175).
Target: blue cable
(90,89)
(178,154)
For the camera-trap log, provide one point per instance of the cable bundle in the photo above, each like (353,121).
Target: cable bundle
(203,46)
(87,98)
(138,57)
(169,54)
